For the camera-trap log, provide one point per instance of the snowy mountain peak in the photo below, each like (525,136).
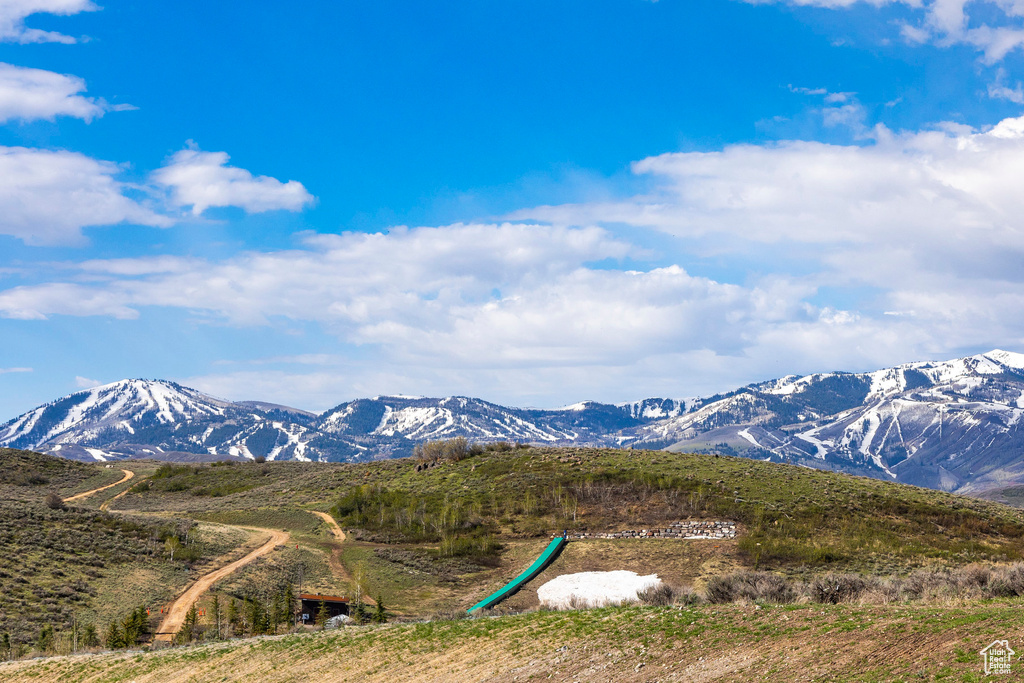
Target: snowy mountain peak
(120,406)
(1007,358)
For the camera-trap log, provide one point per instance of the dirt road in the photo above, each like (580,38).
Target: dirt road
(175,616)
(335,560)
(128,474)
(106,504)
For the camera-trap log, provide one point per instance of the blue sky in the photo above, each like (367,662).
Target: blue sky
(534,202)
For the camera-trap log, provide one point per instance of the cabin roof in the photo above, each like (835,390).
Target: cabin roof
(316,597)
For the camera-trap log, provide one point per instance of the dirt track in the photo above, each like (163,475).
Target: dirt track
(128,474)
(175,617)
(106,504)
(335,560)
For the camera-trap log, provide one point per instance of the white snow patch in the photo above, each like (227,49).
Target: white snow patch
(594,589)
(820,450)
(745,433)
(98,454)
(576,407)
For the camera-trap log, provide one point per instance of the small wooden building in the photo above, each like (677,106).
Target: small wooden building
(311,605)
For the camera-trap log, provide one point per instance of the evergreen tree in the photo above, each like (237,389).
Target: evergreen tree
(115,637)
(89,636)
(289,603)
(276,612)
(45,641)
(5,645)
(233,615)
(358,611)
(380,615)
(188,629)
(135,626)
(321,615)
(215,608)
(252,615)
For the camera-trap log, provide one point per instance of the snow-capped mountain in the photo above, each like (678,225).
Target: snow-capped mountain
(954,425)
(148,418)
(155,418)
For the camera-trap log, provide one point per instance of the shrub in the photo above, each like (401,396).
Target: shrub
(973,576)
(1007,582)
(835,588)
(687,596)
(882,592)
(450,450)
(54,502)
(922,584)
(757,586)
(657,596)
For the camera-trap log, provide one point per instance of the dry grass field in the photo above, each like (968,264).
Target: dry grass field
(732,643)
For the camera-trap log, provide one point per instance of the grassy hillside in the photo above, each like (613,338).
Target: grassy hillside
(792,518)
(434,536)
(720,643)
(62,565)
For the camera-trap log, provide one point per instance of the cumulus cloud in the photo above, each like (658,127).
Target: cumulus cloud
(902,246)
(28,94)
(14,12)
(203,180)
(994,27)
(474,304)
(86,383)
(47,197)
(931,222)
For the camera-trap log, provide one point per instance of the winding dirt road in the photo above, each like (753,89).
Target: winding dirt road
(128,474)
(335,560)
(175,616)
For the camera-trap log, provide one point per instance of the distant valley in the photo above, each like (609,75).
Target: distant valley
(952,425)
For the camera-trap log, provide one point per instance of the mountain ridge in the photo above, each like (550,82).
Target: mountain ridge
(952,425)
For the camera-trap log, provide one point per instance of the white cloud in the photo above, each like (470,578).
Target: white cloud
(14,12)
(28,94)
(203,180)
(931,222)
(949,22)
(1000,91)
(903,246)
(510,311)
(939,189)
(4,371)
(86,383)
(47,197)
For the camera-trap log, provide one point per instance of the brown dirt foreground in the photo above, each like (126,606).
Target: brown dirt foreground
(707,643)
